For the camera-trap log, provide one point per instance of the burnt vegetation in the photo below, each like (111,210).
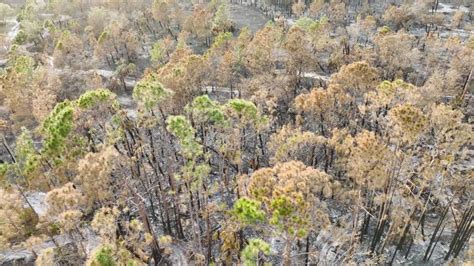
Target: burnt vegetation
(167,132)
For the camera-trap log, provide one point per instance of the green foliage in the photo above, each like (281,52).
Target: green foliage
(180,127)
(221,40)
(194,172)
(384,30)
(149,92)
(26,155)
(3,172)
(27,11)
(244,108)
(65,37)
(390,87)
(215,4)
(104,256)
(282,207)
(59,45)
(201,170)
(387,145)
(103,37)
(3,169)
(243,39)
(93,97)
(248,211)
(57,126)
(470,43)
(13,53)
(205,110)
(220,21)
(20,37)
(53,228)
(157,52)
(246,112)
(48,24)
(284,210)
(23,64)
(309,24)
(124,69)
(251,251)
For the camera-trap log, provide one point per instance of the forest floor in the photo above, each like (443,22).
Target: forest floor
(245,16)
(242,16)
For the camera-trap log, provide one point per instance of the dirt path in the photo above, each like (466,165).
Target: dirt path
(245,16)
(8,32)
